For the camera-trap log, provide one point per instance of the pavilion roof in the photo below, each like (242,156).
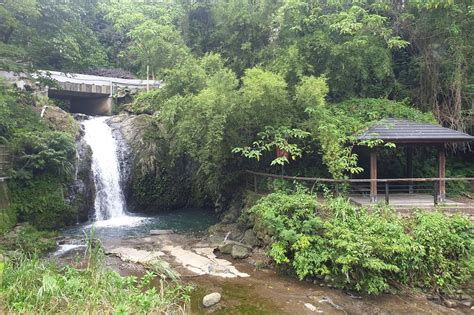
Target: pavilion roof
(407,131)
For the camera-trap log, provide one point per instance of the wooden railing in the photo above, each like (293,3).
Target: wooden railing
(5,161)
(386,181)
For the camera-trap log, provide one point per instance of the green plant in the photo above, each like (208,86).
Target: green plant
(33,285)
(27,240)
(275,139)
(446,249)
(40,201)
(361,250)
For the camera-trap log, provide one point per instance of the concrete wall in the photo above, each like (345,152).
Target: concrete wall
(92,106)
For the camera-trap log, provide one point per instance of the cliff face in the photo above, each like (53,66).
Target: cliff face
(82,190)
(152,179)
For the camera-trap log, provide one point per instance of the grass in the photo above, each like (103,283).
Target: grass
(32,285)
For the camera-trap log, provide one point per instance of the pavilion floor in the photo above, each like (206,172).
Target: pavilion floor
(405,201)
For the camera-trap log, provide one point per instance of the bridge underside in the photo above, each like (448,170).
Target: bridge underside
(85,103)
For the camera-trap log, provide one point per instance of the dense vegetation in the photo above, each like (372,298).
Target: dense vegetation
(366,251)
(244,80)
(43,163)
(243,71)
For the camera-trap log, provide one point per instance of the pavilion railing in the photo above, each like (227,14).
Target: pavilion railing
(385,186)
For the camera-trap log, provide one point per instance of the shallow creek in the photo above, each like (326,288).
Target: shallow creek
(244,289)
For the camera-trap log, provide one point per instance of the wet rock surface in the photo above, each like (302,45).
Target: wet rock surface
(211,299)
(82,191)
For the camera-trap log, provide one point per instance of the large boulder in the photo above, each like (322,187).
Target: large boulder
(153,179)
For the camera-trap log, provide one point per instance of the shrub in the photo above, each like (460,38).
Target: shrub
(40,201)
(365,251)
(446,246)
(47,152)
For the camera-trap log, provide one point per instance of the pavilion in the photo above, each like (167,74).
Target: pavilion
(410,133)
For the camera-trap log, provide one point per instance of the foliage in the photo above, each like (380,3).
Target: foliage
(43,164)
(151,38)
(271,139)
(365,251)
(50,152)
(41,201)
(446,249)
(49,34)
(26,239)
(8,219)
(336,128)
(33,285)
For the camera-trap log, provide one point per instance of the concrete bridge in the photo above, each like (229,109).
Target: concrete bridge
(87,94)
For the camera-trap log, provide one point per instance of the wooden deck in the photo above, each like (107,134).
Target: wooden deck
(404,202)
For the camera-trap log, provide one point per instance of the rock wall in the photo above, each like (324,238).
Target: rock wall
(153,179)
(81,193)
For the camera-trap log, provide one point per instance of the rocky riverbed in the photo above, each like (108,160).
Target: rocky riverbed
(248,285)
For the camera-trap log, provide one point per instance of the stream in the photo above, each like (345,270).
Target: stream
(245,289)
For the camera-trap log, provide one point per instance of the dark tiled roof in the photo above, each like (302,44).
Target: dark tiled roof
(406,131)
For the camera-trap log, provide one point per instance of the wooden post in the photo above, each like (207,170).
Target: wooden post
(409,152)
(255,187)
(442,173)
(148,78)
(373,176)
(387,193)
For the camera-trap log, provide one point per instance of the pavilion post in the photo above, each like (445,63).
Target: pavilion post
(373,176)
(409,152)
(442,173)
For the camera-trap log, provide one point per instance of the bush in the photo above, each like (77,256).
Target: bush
(40,201)
(446,248)
(365,251)
(47,152)
(7,219)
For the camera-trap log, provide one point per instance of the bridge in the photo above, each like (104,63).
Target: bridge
(87,94)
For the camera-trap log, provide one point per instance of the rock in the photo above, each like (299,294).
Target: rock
(220,231)
(81,193)
(203,261)
(250,238)
(467,303)
(226,248)
(161,232)
(310,307)
(211,299)
(146,166)
(450,303)
(136,255)
(433,297)
(239,251)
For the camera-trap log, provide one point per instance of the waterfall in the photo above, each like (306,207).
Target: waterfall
(109,201)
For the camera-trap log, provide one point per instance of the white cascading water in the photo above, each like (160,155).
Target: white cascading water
(109,201)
